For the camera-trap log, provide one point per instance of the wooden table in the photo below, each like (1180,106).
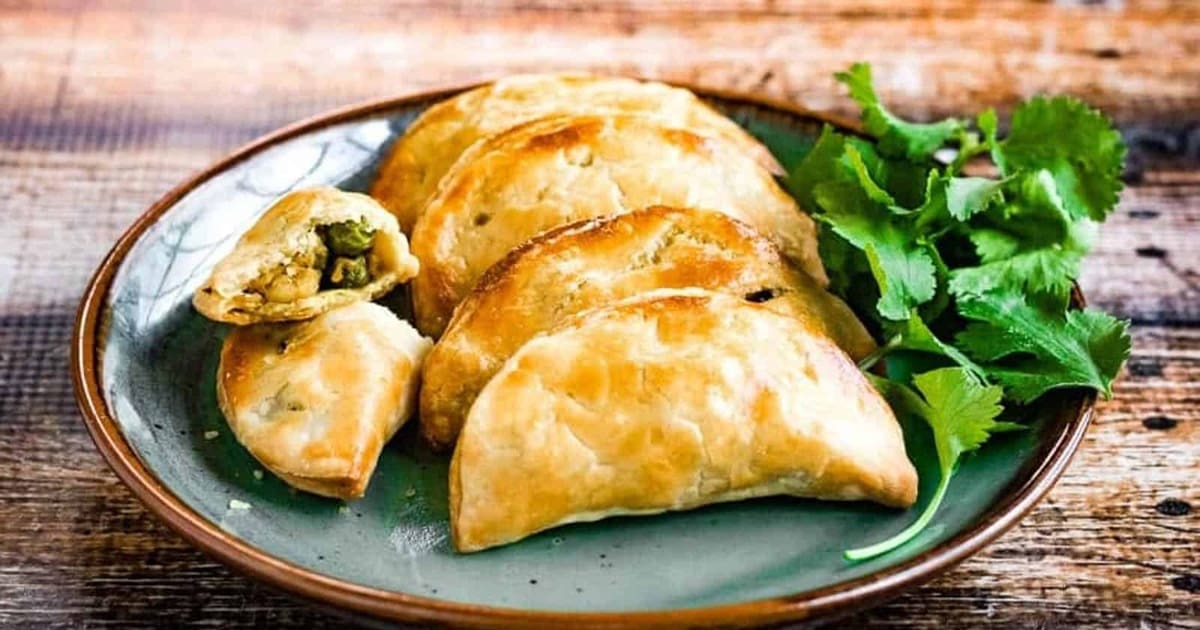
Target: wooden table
(103,108)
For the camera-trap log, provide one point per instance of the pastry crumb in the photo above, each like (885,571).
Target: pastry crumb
(258,474)
(344,510)
(211,435)
(411,492)
(235,504)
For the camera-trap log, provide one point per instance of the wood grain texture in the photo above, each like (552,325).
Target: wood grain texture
(104,106)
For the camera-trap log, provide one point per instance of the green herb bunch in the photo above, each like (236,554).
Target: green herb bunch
(974,273)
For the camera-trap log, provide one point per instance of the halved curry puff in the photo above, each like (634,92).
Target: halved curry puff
(313,250)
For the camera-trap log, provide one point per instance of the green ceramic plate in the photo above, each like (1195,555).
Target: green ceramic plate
(145,364)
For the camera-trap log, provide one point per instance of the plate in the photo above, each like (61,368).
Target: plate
(144,365)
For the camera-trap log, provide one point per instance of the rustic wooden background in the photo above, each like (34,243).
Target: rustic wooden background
(104,106)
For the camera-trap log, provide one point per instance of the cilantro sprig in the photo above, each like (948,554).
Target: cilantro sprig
(970,271)
(962,414)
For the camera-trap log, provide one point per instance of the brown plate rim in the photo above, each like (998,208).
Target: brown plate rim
(823,603)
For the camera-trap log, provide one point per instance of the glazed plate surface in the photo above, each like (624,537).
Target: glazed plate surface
(145,365)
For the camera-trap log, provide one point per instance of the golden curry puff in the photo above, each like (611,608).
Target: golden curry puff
(543,174)
(409,176)
(312,251)
(669,401)
(315,401)
(595,262)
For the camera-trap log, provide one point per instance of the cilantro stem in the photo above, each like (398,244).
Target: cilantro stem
(870,360)
(910,532)
(967,150)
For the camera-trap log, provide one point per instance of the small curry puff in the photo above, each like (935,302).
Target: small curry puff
(316,401)
(537,176)
(410,175)
(312,251)
(669,401)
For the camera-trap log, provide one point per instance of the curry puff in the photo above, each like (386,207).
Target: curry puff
(315,401)
(596,262)
(312,251)
(537,176)
(435,140)
(669,401)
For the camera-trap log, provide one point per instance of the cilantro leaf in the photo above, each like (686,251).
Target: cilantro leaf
(1030,244)
(901,266)
(915,141)
(914,334)
(1075,143)
(820,165)
(968,196)
(839,258)
(902,181)
(888,183)
(1049,270)
(934,212)
(842,180)
(858,166)
(1035,210)
(949,200)
(961,412)
(934,308)
(1031,351)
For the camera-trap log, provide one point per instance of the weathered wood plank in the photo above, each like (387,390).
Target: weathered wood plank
(105,66)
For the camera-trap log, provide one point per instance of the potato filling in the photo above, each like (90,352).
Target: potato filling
(298,278)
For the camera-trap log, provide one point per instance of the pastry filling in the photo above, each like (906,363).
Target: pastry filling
(348,244)
(338,258)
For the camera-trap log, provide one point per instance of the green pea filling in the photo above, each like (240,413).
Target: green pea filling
(348,242)
(349,273)
(349,238)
